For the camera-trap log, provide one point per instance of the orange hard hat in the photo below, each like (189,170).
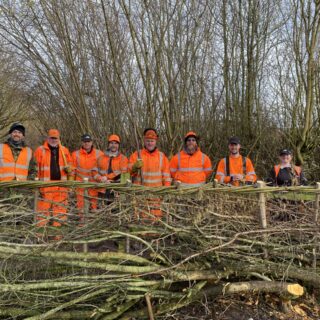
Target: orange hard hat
(190,134)
(54,133)
(114,137)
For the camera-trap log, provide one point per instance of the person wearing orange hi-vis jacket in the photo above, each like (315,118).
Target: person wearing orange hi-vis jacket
(235,169)
(286,173)
(150,167)
(54,164)
(112,162)
(190,167)
(85,164)
(110,165)
(16,160)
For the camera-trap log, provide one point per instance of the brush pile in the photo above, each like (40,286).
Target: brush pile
(122,263)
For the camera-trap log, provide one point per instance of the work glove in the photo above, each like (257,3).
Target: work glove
(177,184)
(67,169)
(70,178)
(137,165)
(124,177)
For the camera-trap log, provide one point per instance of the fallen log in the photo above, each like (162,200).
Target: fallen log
(284,290)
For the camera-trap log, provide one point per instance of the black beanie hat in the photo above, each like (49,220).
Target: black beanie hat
(19,127)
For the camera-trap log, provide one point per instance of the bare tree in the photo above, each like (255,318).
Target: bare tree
(220,68)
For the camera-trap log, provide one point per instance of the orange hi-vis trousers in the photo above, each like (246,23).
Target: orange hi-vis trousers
(149,211)
(52,206)
(93,199)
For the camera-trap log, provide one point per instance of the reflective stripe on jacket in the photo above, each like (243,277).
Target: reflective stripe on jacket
(11,169)
(119,165)
(192,170)
(85,163)
(43,157)
(235,167)
(155,171)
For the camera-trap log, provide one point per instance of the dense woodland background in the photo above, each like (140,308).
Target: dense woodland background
(247,68)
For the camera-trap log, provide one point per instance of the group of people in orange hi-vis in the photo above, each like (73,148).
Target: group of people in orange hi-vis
(150,167)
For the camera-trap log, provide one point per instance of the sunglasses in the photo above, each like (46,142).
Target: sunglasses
(53,138)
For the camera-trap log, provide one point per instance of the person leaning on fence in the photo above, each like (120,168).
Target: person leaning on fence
(85,163)
(190,167)
(235,169)
(16,159)
(285,173)
(54,164)
(110,165)
(150,167)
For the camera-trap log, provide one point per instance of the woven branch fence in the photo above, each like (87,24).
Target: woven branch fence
(122,263)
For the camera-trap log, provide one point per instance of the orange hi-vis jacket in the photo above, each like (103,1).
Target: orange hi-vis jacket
(297,170)
(191,169)
(155,171)
(11,169)
(85,163)
(119,164)
(43,158)
(237,165)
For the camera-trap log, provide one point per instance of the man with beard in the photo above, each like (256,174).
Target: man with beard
(85,163)
(150,167)
(235,169)
(54,164)
(111,165)
(16,161)
(190,167)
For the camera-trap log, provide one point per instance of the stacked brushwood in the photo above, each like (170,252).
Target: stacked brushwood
(121,263)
